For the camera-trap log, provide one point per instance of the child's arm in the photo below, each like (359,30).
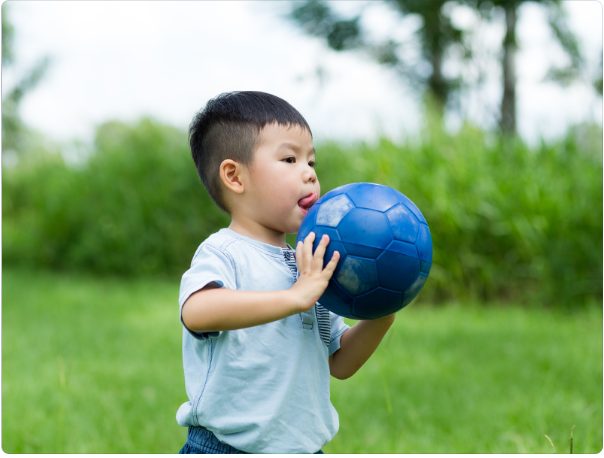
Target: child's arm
(222,309)
(357,344)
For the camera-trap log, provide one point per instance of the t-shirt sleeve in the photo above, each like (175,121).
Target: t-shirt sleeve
(338,327)
(209,265)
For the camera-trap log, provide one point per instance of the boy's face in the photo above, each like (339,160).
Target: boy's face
(282,180)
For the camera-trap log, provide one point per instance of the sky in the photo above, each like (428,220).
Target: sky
(124,60)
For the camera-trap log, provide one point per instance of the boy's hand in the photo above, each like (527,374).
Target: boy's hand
(313,278)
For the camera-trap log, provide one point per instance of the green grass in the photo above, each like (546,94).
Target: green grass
(94,366)
(477,380)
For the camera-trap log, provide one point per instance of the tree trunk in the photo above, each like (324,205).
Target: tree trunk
(436,82)
(433,50)
(508,102)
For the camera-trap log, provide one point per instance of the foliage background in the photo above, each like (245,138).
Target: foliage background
(508,222)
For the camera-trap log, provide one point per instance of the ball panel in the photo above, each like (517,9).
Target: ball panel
(403,223)
(397,271)
(411,206)
(377,303)
(404,248)
(363,251)
(357,275)
(337,300)
(365,227)
(320,231)
(335,192)
(424,266)
(332,211)
(373,196)
(424,243)
(415,288)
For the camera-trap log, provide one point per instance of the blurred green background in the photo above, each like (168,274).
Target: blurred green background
(502,347)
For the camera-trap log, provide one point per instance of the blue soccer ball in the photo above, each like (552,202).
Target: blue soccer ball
(385,249)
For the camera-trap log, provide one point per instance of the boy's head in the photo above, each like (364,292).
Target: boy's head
(229,128)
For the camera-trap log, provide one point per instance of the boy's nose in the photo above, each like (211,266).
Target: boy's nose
(310,175)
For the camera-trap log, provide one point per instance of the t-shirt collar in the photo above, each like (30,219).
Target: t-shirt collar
(265,246)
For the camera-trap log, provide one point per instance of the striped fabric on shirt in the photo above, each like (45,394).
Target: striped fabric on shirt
(323,319)
(324,323)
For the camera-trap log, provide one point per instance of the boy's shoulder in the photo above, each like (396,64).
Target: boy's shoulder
(220,240)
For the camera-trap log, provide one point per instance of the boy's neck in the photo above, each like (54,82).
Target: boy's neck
(258,232)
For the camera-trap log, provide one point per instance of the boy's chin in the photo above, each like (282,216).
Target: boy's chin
(290,225)
(293,230)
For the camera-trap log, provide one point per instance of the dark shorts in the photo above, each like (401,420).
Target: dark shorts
(200,440)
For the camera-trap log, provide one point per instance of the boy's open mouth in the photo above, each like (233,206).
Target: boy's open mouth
(306,202)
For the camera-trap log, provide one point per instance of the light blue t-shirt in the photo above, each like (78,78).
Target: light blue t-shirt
(263,389)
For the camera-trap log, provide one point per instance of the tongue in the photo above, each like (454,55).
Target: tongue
(306,201)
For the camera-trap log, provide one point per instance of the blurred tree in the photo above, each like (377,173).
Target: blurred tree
(13,129)
(8,33)
(437,36)
(598,82)
(559,26)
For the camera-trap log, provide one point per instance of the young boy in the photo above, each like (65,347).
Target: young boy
(258,349)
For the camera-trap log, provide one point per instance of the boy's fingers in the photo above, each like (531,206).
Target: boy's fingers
(320,252)
(333,262)
(307,250)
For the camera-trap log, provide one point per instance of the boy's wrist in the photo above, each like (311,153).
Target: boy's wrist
(295,301)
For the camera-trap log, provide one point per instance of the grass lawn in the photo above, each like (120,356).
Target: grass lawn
(94,366)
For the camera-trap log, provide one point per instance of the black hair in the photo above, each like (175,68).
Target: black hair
(229,126)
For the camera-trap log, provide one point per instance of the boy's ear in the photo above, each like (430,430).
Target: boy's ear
(231,175)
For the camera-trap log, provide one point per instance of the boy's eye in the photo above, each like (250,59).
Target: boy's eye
(290,160)
(312,164)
